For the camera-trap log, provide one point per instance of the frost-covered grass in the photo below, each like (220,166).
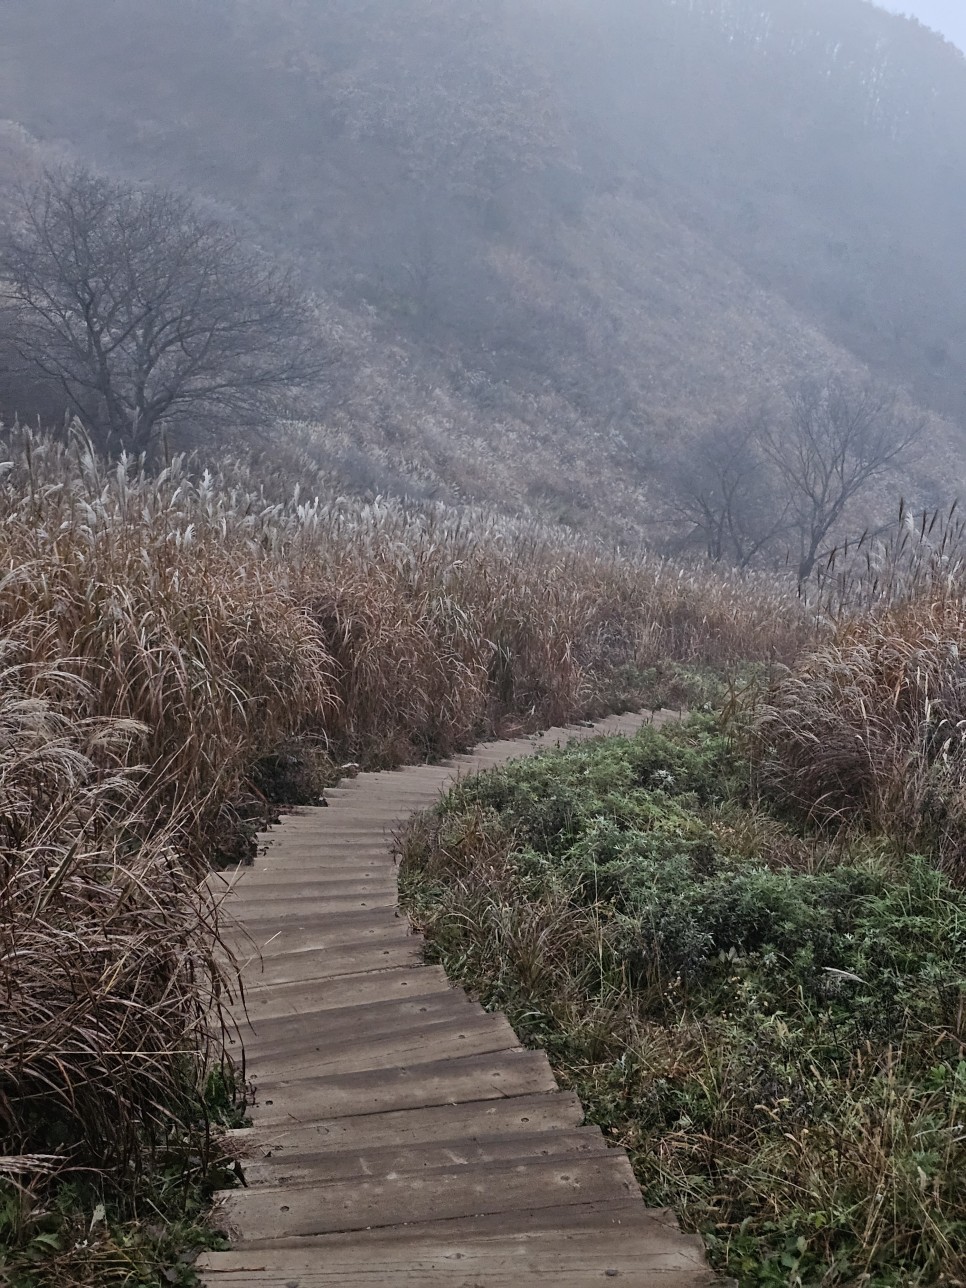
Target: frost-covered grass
(770,1017)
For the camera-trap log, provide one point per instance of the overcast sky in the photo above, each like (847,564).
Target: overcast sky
(947,16)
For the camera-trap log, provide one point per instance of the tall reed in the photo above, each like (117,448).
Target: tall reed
(110,987)
(228,623)
(869,728)
(164,633)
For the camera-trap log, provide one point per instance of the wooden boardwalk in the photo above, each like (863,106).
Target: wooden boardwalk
(402,1138)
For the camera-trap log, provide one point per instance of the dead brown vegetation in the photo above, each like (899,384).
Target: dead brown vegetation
(870,727)
(166,633)
(109,988)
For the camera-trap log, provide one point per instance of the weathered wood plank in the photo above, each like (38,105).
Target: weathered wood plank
(300,1211)
(341,925)
(445,1036)
(476,1269)
(315,1166)
(613,1214)
(333,1025)
(260,911)
(309,958)
(338,863)
(316,880)
(436,1082)
(561,1258)
(469,1121)
(306,995)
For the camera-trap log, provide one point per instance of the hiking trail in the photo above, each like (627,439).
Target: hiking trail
(402,1137)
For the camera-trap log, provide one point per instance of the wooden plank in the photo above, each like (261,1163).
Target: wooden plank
(386,819)
(354,825)
(407,782)
(337,863)
(563,1259)
(319,937)
(337,856)
(377,870)
(335,1137)
(313,885)
(403,782)
(335,994)
(332,1025)
(308,966)
(376,798)
(371,802)
(381,800)
(361,812)
(613,1214)
(338,926)
(267,883)
(339,849)
(444,1035)
(300,1211)
(310,1034)
(344,834)
(316,1166)
(261,909)
(436,1082)
(466,1270)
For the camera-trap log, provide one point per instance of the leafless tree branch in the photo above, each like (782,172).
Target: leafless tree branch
(149,316)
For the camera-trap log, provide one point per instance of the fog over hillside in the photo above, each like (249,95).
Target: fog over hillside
(945,16)
(553,243)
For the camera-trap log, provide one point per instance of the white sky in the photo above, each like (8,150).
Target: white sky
(947,16)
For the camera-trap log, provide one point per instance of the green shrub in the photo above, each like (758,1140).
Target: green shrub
(772,1023)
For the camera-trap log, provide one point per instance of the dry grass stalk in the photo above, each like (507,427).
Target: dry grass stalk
(109,988)
(193,624)
(870,727)
(228,622)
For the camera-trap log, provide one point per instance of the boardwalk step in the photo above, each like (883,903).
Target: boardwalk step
(336,1025)
(470,1121)
(297,1211)
(316,880)
(310,958)
(446,1036)
(269,935)
(322,1165)
(438,1082)
(616,1214)
(338,862)
(306,911)
(561,1257)
(335,994)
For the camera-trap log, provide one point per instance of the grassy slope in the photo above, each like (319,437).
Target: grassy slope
(771,1020)
(575,324)
(177,649)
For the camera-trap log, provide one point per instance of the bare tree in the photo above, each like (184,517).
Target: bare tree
(838,439)
(723,491)
(147,315)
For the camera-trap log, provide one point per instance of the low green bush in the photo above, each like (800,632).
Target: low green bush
(772,1022)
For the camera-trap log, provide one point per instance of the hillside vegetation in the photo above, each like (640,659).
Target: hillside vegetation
(551,243)
(742,942)
(185,651)
(457,367)
(181,653)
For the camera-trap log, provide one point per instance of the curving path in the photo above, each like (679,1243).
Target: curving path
(402,1138)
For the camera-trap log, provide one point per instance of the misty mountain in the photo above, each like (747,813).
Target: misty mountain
(550,239)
